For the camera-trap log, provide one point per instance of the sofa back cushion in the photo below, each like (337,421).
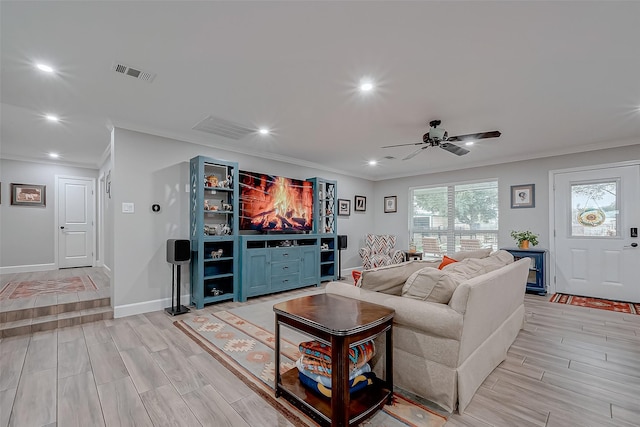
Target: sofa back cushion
(391,278)
(478,253)
(434,285)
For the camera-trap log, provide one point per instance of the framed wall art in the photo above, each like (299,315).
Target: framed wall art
(360,204)
(28,195)
(344,207)
(390,204)
(523,196)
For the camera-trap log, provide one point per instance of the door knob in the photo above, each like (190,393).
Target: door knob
(634,245)
(62,227)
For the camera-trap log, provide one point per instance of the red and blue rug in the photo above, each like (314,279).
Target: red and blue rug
(601,304)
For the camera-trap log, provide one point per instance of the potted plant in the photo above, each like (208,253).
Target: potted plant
(524,238)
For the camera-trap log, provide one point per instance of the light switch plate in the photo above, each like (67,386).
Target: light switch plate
(127,207)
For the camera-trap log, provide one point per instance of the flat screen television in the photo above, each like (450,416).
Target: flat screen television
(275,204)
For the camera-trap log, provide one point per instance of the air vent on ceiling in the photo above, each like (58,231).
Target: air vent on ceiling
(389,157)
(121,68)
(223,127)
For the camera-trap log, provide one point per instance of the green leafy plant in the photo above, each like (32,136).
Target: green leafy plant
(521,236)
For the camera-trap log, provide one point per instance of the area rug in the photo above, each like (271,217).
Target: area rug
(602,304)
(247,350)
(34,288)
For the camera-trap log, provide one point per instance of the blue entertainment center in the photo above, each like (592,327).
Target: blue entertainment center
(231,261)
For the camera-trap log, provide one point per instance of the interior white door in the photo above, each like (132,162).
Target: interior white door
(597,213)
(75,222)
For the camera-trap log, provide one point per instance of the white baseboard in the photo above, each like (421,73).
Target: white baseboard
(147,306)
(107,270)
(27,268)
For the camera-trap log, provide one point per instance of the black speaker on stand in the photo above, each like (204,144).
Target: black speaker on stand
(342,244)
(178,253)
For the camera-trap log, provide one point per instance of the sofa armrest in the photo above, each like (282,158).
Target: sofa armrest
(487,301)
(431,318)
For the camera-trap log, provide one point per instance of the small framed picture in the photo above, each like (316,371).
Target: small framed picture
(28,195)
(523,196)
(344,207)
(360,204)
(390,204)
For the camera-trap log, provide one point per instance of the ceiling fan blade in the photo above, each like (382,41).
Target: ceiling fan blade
(415,153)
(454,149)
(402,145)
(475,136)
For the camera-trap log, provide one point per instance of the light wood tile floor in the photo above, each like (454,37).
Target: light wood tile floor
(569,366)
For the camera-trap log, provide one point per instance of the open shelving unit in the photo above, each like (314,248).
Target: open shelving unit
(325,225)
(213,230)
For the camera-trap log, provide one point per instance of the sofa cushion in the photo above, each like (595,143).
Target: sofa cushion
(435,285)
(446,261)
(478,253)
(432,284)
(391,278)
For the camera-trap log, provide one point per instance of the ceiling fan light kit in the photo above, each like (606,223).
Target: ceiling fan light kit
(438,137)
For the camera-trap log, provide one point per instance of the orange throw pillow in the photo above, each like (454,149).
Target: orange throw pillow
(446,261)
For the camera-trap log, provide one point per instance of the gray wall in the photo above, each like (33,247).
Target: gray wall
(148,169)
(27,234)
(534,171)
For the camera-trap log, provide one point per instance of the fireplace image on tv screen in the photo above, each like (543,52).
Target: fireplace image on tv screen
(271,203)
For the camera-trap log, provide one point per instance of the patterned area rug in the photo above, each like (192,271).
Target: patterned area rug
(602,304)
(33,288)
(246,349)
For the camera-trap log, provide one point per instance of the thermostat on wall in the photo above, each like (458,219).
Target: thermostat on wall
(127,207)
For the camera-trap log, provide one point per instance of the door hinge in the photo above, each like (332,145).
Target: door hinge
(554,233)
(554,280)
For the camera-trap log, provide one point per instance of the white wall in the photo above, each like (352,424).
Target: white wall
(526,172)
(148,169)
(27,234)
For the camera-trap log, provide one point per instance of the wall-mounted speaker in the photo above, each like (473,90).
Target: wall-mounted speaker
(342,242)
(178,251)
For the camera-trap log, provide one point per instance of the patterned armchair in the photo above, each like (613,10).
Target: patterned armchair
(379,251)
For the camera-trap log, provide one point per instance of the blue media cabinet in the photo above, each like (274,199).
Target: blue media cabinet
(537,273)
(226,265)
(214,253)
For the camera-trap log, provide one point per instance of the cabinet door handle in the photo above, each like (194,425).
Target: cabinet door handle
(285,254)
(285,267)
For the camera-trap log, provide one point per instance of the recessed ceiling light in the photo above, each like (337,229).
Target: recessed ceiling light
(54,155)
(45,68)
(469,143)
(52,118)
(373,162)
(264,131)
(366,86)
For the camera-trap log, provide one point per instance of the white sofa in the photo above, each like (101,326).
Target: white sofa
(444,351)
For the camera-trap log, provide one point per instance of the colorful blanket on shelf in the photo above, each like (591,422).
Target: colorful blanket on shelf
(318,356)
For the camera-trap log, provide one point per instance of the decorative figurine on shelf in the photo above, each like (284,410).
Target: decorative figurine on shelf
(206,205)
(209,231)
(223,184)
(230,180)
(226,206)
(224,229)
(213,208)
(324,247)
(212,181)
(216,254)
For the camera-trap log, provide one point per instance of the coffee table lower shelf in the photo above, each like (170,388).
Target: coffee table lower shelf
(362,403)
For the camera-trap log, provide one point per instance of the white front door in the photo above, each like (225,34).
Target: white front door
(596,212)
(75,222)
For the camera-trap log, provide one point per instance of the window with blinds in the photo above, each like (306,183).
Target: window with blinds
(459,216)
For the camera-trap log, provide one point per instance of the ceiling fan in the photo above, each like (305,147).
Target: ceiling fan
(438,137)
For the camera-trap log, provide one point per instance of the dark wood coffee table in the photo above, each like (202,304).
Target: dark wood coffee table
(342,323)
